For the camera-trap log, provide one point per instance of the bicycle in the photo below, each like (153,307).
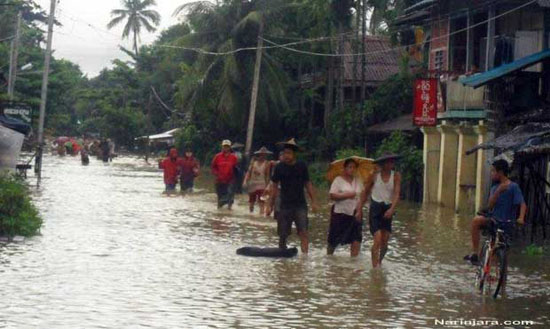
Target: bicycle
(493,264)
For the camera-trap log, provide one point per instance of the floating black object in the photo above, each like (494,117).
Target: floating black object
(267,252)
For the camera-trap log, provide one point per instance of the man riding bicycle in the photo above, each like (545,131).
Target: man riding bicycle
(504,200)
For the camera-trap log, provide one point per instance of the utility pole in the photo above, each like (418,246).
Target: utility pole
(149,127)
(14,54)
(44,93)
(255,88)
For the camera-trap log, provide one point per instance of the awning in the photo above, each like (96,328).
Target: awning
(519,139)
(167,136)
(481,79)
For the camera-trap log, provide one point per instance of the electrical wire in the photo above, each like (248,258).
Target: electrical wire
(283,46)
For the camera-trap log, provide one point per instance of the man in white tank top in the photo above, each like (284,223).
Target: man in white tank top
(384,188)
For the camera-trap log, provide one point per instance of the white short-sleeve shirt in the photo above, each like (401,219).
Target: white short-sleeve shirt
(340,185)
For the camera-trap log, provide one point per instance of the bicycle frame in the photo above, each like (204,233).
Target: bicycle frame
(496,240)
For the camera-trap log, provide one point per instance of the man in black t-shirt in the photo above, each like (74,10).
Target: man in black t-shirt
(293,178)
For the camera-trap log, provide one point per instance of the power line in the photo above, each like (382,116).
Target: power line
(400,47)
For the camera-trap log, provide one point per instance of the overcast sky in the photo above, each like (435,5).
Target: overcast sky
(84,37)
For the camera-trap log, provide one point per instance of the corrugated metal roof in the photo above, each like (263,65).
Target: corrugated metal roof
(382,61)
(520,139)
(481,79)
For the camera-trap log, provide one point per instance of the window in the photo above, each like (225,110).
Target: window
(438,60)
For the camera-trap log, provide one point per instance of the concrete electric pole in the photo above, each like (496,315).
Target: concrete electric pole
(44,94)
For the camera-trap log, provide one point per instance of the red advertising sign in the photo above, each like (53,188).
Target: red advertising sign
(425,102)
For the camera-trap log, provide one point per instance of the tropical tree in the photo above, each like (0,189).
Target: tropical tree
(233,78)
(137,15)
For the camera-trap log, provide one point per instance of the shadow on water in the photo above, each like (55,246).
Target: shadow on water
(116,252)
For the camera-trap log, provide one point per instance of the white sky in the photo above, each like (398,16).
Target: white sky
(94,47)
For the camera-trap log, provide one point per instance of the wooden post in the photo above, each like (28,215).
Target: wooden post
(255,88)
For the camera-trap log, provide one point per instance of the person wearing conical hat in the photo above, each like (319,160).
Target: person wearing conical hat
(223,168)
(384,189)
(293,177)
(257,178)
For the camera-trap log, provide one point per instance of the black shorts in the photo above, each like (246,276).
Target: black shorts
(344,229)
(376,217)
(286,217)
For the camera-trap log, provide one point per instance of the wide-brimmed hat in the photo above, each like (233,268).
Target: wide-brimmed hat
(263,150)
(291,143)
(226,142)
(387,156)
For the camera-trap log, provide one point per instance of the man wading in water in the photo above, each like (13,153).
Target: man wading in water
(223,168)
(384,189)
(293,177)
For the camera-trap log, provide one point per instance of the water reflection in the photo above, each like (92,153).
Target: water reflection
(115,252)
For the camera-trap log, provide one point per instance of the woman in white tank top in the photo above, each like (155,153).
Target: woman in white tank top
(384,190)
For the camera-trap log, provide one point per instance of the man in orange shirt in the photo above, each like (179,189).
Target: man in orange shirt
(223,168)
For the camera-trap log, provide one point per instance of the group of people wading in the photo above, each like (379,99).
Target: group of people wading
(280,187)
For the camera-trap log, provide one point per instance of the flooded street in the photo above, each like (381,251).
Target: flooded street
(115,253)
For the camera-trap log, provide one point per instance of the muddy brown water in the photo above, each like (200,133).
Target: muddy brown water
(116,253)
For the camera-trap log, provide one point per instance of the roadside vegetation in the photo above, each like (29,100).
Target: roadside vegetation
(18,216)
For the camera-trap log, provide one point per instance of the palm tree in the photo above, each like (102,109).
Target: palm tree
(137,15)
(235,77)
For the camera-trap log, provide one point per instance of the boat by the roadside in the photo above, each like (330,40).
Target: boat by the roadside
(12,135)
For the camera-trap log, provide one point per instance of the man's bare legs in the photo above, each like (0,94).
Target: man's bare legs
(304,241)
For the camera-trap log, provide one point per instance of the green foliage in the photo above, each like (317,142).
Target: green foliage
(391,99)
(349,152)
(534,250)
(200,141)
(318,173)
(411,163)
(18,216)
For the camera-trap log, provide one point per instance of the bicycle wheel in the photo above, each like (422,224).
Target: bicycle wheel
(483,262)
(500,257)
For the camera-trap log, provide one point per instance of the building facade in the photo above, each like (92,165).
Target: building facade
(490,62)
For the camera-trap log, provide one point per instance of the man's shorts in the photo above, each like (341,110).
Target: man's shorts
(187,184)
(286,217)
(376,217)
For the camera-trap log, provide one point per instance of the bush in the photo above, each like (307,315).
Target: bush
(18,216)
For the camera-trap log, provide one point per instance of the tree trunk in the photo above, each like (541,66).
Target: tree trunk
(255,88)
(329,96)
(342,69)
(149,127)
(356,50)
(363,50)
(312,113)
(302,94)
(136,45)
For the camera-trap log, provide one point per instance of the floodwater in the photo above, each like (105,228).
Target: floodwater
(116,253)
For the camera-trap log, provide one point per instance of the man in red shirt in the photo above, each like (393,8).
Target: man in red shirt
(189,169)
(170,165)
(223,168)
